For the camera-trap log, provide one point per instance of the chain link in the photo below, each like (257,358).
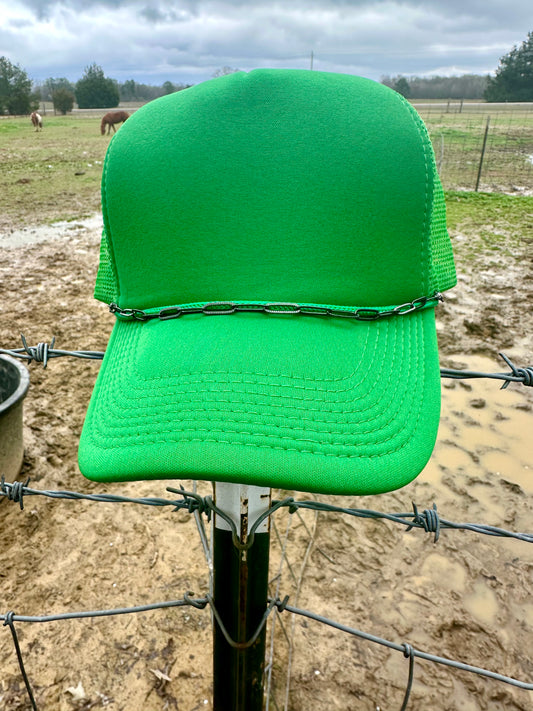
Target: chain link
(223,308)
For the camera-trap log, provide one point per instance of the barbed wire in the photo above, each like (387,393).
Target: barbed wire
(17,490)
(429,520)
(43,352)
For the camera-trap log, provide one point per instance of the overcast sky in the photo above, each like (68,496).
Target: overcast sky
(184,41)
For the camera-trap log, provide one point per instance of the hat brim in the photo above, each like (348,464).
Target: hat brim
(308,403)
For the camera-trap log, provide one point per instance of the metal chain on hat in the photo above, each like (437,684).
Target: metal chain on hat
(223,308)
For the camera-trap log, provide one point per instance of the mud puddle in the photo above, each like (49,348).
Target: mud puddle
(56,230)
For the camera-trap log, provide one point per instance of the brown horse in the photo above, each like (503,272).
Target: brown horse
(36,120)
(111,119)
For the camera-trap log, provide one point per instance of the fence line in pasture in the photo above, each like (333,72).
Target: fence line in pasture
(460,106)
(478,146)
(486,147)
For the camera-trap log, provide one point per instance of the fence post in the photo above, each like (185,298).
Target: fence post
(240,592)
(482,157)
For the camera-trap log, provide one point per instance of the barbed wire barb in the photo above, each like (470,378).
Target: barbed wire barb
(40,353)
(428,520)
(523,376)
(17,490)
(43,352)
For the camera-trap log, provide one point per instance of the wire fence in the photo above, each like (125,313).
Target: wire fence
(481,146)
(428,520)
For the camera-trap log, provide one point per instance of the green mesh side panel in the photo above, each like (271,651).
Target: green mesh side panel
(441,267)
(442,275)
(106,283)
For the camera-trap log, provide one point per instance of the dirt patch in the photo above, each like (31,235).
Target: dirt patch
(467,597)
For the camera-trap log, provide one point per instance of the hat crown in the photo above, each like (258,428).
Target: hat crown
(274,185)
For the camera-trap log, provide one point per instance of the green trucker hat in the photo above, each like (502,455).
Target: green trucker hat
(274,245)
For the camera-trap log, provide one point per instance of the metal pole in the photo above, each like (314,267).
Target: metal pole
(240,592)
(482,153)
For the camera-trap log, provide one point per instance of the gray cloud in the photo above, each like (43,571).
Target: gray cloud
(186,41)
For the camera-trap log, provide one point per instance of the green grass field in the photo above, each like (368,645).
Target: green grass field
(492,222)
(52,174)
(458,141)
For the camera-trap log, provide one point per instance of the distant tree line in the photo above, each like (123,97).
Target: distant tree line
(95,90)
(467,86)
(18,95)
(513,81)
(131,90)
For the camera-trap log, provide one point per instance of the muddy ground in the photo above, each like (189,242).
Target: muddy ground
(466,597)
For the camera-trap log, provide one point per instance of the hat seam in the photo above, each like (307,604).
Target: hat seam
(201,410)
(185,440)
(177,430)
(157,438)
(290,385)
(292,377)
(337,455)
(268,396)
(429,162)
(425,247)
